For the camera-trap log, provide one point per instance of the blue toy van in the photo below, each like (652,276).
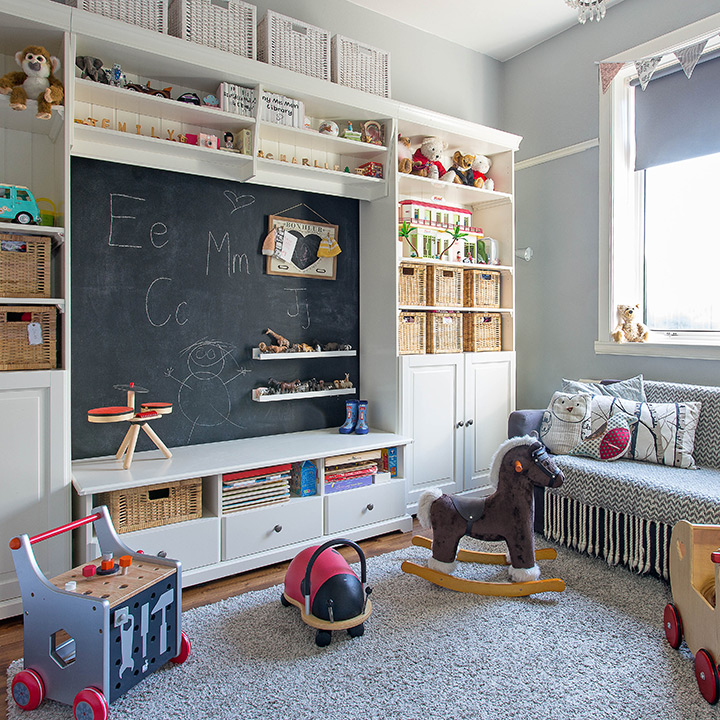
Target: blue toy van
(18,204)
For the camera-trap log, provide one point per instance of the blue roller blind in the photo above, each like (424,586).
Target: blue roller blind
(677,118)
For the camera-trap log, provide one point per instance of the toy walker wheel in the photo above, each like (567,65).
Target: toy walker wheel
(673,626)
(706,675)
(357,631)
(90,704)
(284,601)
(322,638)
(28,690)
(185,648)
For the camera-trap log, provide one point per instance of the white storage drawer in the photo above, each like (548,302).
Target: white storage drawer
(194,543)
(254,531)
(363,506)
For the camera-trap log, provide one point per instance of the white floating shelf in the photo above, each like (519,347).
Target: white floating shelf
(272,132)
(25,120)
(451,192)
(56,233)
(300,395)
(58,302)
(257,355)
(444,308)
(474,266)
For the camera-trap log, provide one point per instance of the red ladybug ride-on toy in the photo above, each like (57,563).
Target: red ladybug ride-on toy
(328,593)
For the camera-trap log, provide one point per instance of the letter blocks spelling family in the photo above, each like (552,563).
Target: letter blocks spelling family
(94,632)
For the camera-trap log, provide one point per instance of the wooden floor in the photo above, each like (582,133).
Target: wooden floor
(11,630)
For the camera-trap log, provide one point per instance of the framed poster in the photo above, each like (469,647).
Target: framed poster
(302,248)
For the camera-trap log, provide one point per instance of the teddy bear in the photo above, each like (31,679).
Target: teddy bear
(481,166)
(405,162)
(426,159)
(35,80)
(628,328)
(461,171)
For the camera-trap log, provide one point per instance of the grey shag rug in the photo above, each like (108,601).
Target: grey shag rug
(595,651)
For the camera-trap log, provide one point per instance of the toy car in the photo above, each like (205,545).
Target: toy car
(137,87)
(18,204)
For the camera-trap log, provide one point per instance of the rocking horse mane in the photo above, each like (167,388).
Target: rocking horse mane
(497,458)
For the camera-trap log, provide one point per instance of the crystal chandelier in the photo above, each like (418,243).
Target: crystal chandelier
(588,9)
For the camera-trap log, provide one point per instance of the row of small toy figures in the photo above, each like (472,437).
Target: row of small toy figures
(372,169)
(276,387)
(426,161)
(284,345)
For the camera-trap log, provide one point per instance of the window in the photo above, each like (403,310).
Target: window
(659,199)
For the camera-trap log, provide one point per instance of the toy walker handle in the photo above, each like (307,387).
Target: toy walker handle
(15,542)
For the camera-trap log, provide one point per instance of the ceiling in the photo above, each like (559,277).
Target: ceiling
(498,28)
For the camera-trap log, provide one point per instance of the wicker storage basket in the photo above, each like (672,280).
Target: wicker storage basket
(482,332)
(24,266)
(16,352)
(445,285)
(444,332)
(228,25)
(411,333)
(360,66)
(482,288)
(294,45)
(411,284)
(150,14)
(152,505)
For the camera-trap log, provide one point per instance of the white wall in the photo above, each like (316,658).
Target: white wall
(551,99)
(425,70)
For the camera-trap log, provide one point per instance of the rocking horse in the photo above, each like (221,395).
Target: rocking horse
(507,514)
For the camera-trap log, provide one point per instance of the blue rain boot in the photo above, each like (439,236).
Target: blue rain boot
(351,416)
(361,428)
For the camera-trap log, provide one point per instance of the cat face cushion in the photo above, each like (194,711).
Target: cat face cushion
(610,441)
(566,422)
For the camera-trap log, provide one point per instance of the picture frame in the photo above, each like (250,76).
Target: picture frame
(306,237)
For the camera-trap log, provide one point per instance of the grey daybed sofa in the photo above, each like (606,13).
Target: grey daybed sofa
(624,510)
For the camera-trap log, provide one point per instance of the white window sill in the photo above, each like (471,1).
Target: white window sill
(663,348)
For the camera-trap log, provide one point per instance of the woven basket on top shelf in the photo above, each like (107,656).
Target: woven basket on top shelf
(411,284)
(150,14)
(482,288)
(445,285)
(24,266)
(153,505)
(360,66)
(294,45)
(229,25)
(482,332)
(27,337)
(444,332)
(411,333)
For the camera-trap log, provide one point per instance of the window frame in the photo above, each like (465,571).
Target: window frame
(621,199)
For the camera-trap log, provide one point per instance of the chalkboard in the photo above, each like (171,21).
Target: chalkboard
(170,292)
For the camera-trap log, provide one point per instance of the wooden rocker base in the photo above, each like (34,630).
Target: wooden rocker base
(486,558)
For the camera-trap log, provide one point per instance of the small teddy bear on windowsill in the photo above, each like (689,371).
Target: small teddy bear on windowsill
(628,328)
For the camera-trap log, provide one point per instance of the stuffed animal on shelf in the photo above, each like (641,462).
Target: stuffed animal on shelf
(628,328)
(426,159)
(481,166)
(461,171)
(92,69)
(405,161)
(35,81)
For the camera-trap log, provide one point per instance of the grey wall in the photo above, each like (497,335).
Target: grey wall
(551,99)
(425,70)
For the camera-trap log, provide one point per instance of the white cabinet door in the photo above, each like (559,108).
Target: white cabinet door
(432,407)
(489,400)
(35,496)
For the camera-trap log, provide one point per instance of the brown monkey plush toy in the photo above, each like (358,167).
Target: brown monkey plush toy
(35,81)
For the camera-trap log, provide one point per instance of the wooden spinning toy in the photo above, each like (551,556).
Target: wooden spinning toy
(138,420)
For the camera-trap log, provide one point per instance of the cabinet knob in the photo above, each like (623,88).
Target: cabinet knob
(278,528)
(460,424)
(469,423)
(370,506)
(162,553)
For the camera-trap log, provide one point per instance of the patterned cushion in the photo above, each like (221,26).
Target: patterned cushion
(566,422)
(630,389)
(664,433)
(610,441)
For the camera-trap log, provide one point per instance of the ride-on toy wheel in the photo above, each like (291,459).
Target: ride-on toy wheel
(90,704)
(357,631)
(707,676)
(184,651)
(28,690)
(322,638)
(285,602)
(673,626)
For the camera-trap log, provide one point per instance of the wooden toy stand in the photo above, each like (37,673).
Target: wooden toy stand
(94,632)
(138,421)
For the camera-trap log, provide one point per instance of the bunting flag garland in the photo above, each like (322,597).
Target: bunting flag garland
(646,68)
(689,56)
(608,71)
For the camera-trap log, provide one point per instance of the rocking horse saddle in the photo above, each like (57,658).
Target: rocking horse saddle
(470,509)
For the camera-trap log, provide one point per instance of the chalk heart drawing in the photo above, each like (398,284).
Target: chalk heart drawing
(306,250)
(238,201)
